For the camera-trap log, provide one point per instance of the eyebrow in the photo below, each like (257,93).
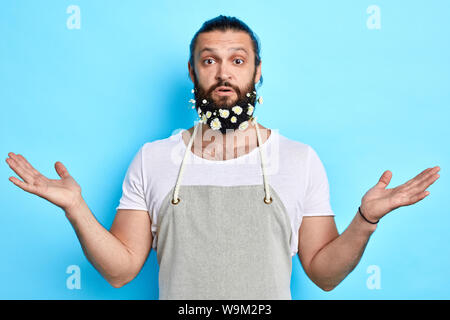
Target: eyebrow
(213,50)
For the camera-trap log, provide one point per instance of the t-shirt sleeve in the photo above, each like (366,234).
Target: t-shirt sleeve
(133,195)
(317,195)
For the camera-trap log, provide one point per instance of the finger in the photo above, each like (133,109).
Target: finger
(385,179)
(21,172)
(418,197)
(17,160)
(421,176)
(427,182)
(61,170)
(21,184)
(21,161)
(27,164)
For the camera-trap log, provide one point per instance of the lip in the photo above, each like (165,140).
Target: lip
(222,93)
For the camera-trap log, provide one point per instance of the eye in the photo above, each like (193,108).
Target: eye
(240,60)
(207,60)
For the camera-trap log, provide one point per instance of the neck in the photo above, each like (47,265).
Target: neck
(229,145)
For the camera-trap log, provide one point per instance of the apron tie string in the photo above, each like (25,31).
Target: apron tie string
(268,198)
(175,198)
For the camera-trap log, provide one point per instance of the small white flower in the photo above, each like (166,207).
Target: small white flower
(204,101)
(260,100)
(199,110)
(243,125)
(214,113)
(250,109)
(233,119)
(254,92)
(208,114)
(203,120)
(248,94)
(192,101)
(237,109)
(215,124)
(224,113)
(192,91)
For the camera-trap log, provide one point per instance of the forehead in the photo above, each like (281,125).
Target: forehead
(223,41)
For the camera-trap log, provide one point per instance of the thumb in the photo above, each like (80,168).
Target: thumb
(385,179)
(61,170)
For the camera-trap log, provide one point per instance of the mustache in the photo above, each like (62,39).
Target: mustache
(201,92)
(224,84)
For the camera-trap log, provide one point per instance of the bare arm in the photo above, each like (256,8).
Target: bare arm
(328,257)
(118,254)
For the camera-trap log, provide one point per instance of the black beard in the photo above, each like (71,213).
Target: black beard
(221,115)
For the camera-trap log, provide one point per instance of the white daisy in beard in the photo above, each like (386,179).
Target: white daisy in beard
(224,113)
(243,125)
(250,109)
(237,110)
(215,124)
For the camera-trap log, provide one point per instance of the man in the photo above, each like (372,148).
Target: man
(220,231)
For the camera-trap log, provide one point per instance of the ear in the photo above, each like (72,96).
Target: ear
(258,73)
(191,71)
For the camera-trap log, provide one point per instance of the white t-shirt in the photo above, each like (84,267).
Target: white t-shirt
(293,169)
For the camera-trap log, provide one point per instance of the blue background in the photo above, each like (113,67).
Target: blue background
(367,100)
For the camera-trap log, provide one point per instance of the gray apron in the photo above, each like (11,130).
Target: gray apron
(223,242)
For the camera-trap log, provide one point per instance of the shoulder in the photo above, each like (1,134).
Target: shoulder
(293,149)
(161,146)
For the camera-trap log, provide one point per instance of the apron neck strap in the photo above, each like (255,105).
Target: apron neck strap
(267,198)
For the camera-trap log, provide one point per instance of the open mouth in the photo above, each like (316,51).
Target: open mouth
(224,91)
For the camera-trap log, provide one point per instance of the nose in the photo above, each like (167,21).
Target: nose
(223,73)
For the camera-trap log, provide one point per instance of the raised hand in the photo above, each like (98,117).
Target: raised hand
(64,193)
(379,201)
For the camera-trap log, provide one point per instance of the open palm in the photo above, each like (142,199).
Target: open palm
(379,201)
(64,193)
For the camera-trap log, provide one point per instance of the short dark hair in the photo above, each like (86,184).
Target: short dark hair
(224,23)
